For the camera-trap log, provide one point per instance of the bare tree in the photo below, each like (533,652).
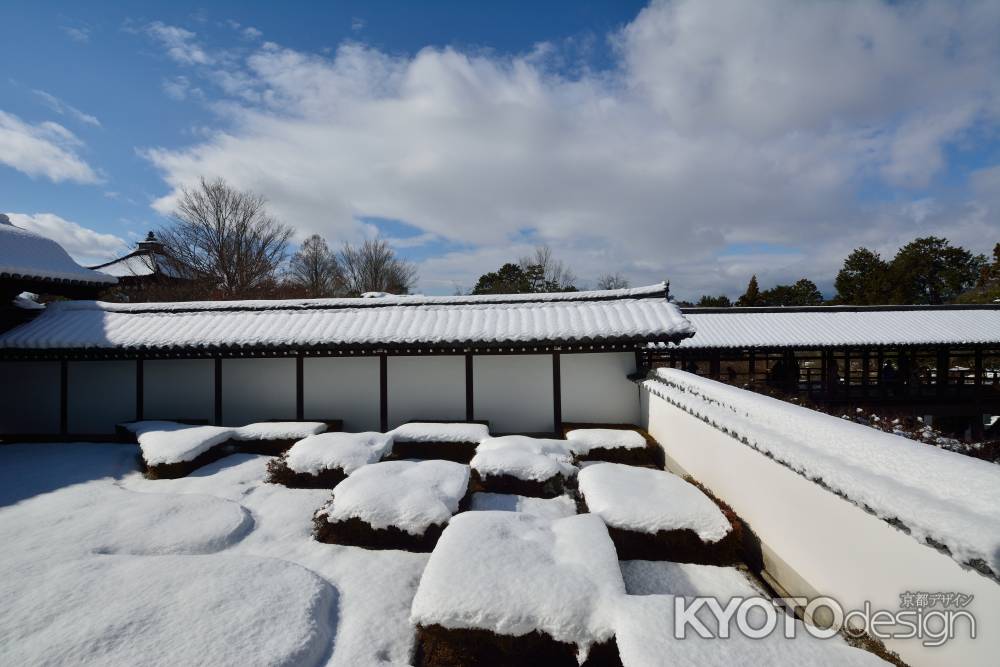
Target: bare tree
(612,281)
(551,274)
(225,239)
(374,267)
(314,268)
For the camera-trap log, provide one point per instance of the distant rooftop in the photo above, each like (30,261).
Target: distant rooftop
(26,256)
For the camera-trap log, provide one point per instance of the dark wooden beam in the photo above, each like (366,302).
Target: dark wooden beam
(140,388)
(299,389)
(469,389)
(217,419)
(63,397)
(383,392)
(556,393)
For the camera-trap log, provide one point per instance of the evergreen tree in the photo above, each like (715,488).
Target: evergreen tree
(508,279)
(863,280)
(987,289)
(721,301)
(802,293)
(930,270)
(752,296)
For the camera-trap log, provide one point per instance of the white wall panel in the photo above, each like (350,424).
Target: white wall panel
(426,388)
(514,392)
(29,397)
(257,389)
(100,394)
(342,388)
(179,389)
(595,388)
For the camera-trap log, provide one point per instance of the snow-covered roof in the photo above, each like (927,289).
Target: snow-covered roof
(839,327)
(610,316)
(133,264)
(29,256)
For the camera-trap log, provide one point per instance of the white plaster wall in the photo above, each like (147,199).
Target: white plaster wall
(29,397)
(100,394)
(595,388)
(815,541)
(257,389)
(178,389)
(426,388)
(342,388)
(514,392)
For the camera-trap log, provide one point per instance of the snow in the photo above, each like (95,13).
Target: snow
(645,623)
(657,577)
(582,440)
(514,573)
(832,328)
(128,266)
(278,430)
(647,501)
(515,319)
(346,451)
(164,442)
(409,495)
(232,591)
(28,301)
(936,494)
(534,459)
(30,255)
(434,432)
(545,508)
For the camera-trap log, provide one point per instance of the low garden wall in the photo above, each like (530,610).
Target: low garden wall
(816,541)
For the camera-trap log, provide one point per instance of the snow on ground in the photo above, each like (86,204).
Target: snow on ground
(409,495)
(274,595)
(435,432)
(582,440)
(163,442)
(948,498)
(647,501)
(278,430)
(534,459)
(514,573)
(545,508)
(657,577)
(346,451)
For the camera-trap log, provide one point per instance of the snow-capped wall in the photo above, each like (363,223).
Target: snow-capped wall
(426,388)
(179,389)
(596,388)
(342,388)
(257,390)
(514,392)
(814,541)
(100,394)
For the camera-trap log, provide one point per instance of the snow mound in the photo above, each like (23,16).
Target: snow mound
(165,442)
(582,440)
(278,430)
(544,508)
(535,459)
(514,573)
(434,432)
(347,451)
(409,495)
(644,633)
(166,610)
(657,577)
(939,496)
(648,501)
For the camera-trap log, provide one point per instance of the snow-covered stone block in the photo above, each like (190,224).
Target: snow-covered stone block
(656,515)
(523,465)
(394,505)
(613,443)
(451,441)
(324,460)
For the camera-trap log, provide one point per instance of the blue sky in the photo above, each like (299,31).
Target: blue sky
(694,141)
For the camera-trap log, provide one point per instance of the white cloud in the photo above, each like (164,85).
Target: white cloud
(63,109)
(721,123)
(44,149)
(84,245)
(251,32)
(79,34)
(358,24)
(179,43)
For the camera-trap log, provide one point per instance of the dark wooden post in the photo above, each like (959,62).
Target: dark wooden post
(469,389)
(140,388)
(880,361)
(63,397)
(556,394)
(217,417)
(942,371)
(300,399)
(866,370)
(752,367)
(847,373)
(383,391)
(715,365)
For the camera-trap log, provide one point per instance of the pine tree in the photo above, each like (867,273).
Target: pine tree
(930,270)
(752,296)
(863,280)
